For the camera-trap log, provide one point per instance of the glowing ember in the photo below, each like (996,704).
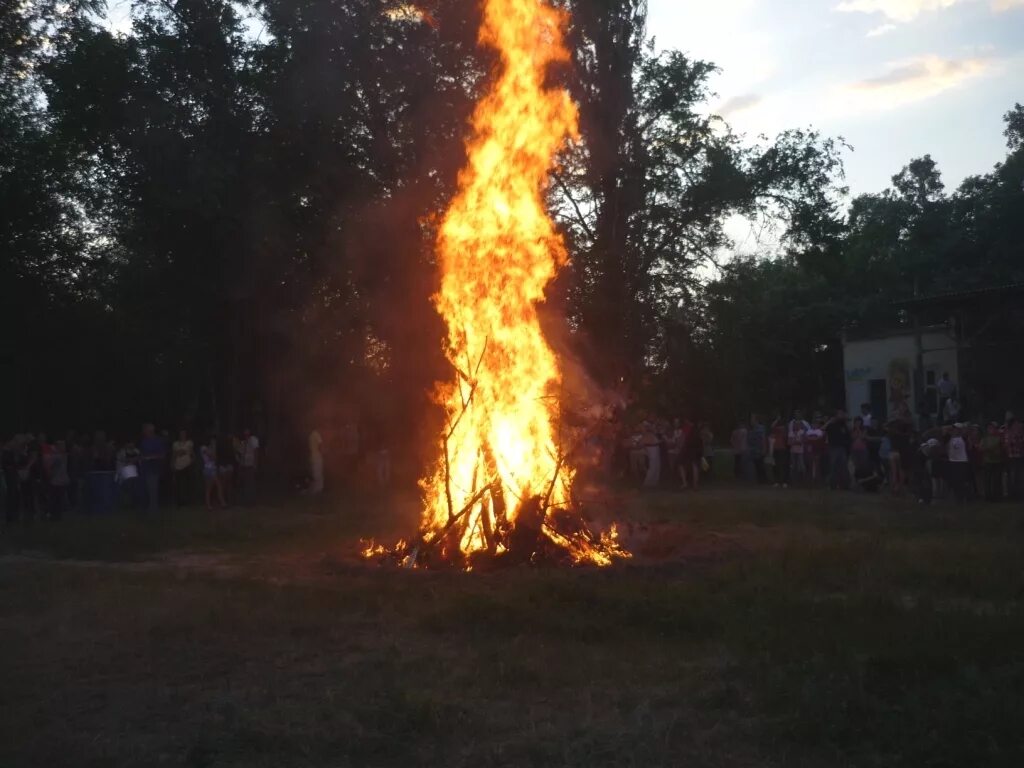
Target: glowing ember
(502,483)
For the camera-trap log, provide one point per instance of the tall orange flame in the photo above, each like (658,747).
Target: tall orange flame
(498,250)
(501,484)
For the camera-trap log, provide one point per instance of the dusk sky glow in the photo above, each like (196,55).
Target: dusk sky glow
(896,78)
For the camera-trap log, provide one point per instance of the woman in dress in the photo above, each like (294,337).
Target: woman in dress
(211,474)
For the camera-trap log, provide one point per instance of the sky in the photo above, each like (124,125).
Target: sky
(896,78)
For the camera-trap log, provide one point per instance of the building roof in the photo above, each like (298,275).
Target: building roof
(852,336)
(960,297)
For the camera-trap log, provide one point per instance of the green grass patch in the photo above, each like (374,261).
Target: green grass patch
(891,639)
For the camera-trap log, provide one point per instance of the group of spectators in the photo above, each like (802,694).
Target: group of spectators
(656,453)
(41,478)
(968,461)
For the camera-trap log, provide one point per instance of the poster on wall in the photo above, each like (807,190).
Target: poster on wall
(899,382)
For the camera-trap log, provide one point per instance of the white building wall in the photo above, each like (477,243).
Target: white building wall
(893,358)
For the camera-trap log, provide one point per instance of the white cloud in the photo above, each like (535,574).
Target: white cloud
(884,29)
(906,82)
(908,10)
(897,10)
(739,104)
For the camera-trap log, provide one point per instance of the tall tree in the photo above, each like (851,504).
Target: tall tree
(648,192)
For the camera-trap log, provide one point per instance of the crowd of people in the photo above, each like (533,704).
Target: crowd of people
(966,461)
(44,478)
(661,453)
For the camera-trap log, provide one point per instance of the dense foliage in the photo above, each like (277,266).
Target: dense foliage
(774,326)
(225,216)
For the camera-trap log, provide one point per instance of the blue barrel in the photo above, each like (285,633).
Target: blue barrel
(102,493)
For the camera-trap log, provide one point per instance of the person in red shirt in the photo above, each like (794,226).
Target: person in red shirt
(1013,439)
(814,448)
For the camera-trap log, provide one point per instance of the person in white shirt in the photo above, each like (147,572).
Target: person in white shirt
(866,418)
(652,448)
(798,429)
(127,474)
(211,474)
(958,463)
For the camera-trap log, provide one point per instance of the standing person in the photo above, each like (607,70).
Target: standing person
(1013,444)
(837,434)
(899,430)
(873,435)
(945,390)
(104,457)
(951,411)
(316,462)
(958,465)
(867,419)
(740,451)
(652,448)
(921,470)
(58,479)
(31,476)
(975,458)
(78,468)
(153,452)
(814,448)
(166,464)
(182,457)
(249,462)
(859,454)
(127,473)
(101,458)
(796,434)
(780,450)
(674,445)
(238,453)
(690,453)
(211,474)
(664,432)
(707,452)
(757,447)
(885,457)
(45,449)
(993,463)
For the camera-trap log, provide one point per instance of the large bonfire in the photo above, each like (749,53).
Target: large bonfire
(501,487)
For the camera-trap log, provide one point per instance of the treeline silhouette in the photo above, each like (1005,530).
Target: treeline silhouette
(225,216)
